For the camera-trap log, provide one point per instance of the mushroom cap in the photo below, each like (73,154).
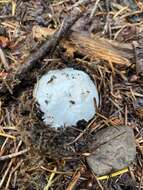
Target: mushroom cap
(66,97)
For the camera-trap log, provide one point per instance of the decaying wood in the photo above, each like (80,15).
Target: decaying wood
(93,47)
(100,48)
(49,46)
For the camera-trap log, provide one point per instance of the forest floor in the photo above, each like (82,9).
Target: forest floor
(102,37)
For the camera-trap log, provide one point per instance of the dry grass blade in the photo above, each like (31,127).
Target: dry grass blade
(56,172)
(7,135)
(5,1)
(50,179)
(13,2)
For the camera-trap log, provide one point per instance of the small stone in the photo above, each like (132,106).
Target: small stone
(113,150)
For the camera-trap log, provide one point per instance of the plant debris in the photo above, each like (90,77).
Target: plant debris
(101,38)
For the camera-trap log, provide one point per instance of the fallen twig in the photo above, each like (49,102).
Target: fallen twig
(46,49)
(49,46)
(6,173)
(10,163)
(7,135)
(4,60)
(56,172)
(13,155)
(75,178)
(11,173)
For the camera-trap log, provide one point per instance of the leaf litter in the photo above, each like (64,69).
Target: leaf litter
(103,38)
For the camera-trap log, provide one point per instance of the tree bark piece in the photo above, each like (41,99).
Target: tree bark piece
(93,47)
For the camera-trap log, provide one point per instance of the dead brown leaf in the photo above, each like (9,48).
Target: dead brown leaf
(4,41)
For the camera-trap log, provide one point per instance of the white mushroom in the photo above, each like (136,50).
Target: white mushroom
(66,96)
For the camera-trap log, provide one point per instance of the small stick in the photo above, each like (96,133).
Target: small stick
(94,9)
(13,155)
(50,180)
(80,2)
(56,172)
(97,180)
(9,166)
(15,179)
(12,171)
(82,133)
(3,146)
(5,174)
(7,135)
(74,180)
(126,115)
(4,60)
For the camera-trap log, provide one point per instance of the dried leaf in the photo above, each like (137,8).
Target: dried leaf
(4,41)
(116,121)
